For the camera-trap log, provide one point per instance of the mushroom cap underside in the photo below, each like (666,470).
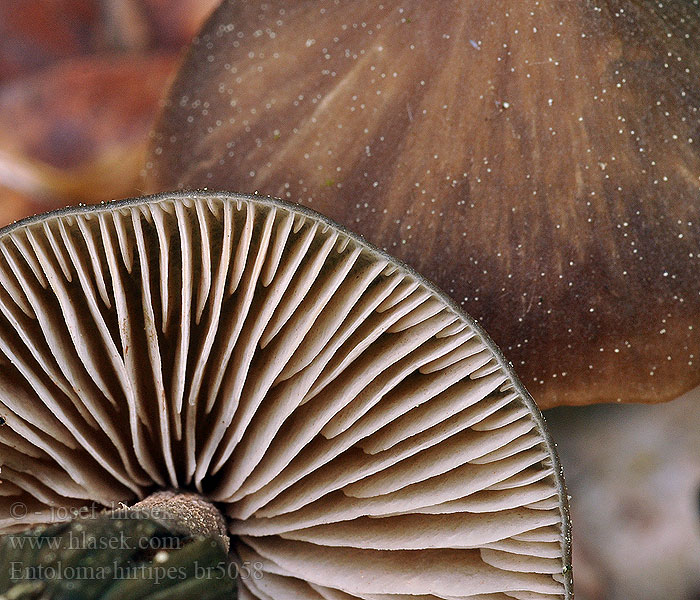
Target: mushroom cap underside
(364,437)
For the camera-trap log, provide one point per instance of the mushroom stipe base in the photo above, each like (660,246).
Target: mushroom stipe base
(167,546)
(363,437)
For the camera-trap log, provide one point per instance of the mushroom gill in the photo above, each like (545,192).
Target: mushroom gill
(364,437)
(536,158)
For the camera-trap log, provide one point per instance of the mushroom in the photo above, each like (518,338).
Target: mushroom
(363,436)
(536,159)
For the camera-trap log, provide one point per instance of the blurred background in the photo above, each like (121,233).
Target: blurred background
(633,476)
(80,83)
(80,86)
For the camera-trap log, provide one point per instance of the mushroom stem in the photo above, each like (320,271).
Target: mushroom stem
(170,545)
(187,511)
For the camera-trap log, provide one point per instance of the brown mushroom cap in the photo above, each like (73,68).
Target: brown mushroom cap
(362,434)
(539,160)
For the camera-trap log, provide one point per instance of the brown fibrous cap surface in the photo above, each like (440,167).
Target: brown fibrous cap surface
(538,160)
